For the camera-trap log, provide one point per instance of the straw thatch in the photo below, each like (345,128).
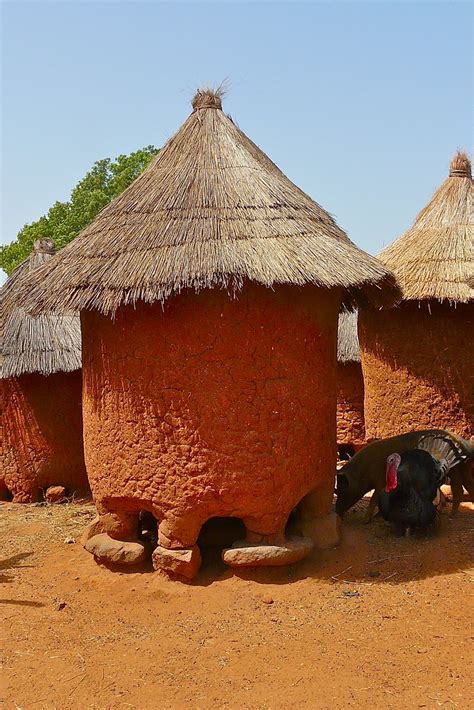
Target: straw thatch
(347,339)
(434,258)
(210,210)
(46,344)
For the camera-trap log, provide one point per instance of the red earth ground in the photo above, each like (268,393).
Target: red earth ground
(381,622)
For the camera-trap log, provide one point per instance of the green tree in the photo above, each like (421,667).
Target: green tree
(107,179)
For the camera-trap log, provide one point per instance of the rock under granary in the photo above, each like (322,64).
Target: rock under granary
(209,294)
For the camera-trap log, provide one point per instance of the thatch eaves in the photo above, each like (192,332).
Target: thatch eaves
(212,210)
(45,344)
(347,338)
(434,258)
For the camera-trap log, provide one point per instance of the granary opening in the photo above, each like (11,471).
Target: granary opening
(5,493)
(218,533)
(148,527)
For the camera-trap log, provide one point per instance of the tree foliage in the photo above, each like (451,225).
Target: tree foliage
(106,180)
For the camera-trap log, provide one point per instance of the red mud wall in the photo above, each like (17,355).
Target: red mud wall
(41,434)
(214,406)
(418,369)
(350,404)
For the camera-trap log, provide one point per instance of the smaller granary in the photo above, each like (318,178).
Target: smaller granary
(350,388)
(40,394)
(418,358)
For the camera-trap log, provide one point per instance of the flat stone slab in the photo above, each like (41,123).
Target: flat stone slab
(178,564)
(96,527)
(247,554)
(117,552)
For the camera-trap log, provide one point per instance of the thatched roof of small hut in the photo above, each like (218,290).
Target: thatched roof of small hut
(45,344)
(211,210)
(347,338)
(434,258)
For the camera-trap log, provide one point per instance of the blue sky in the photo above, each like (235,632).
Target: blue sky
(361,104)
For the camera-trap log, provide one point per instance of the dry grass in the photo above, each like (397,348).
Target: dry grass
(434,258)
(45,344)
(64,520)
(347,339)
(212,210)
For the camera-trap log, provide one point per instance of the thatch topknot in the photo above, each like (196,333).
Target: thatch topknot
(460,166)
(207,98)
(44,246)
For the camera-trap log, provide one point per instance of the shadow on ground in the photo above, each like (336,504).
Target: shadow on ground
(368,553)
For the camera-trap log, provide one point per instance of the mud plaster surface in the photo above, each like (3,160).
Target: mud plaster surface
(41,435)
(212,407)
(418,369)
(350,404)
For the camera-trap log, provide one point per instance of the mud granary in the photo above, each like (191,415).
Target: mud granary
(350,388)
(40,393)
(418,358)
(209,294)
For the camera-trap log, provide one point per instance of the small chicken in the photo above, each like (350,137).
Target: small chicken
(413,479)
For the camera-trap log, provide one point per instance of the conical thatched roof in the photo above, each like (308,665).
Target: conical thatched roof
(434,259)
(210,210)
(347,338)
(45,344)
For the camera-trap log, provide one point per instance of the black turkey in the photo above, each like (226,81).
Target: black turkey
(413,479)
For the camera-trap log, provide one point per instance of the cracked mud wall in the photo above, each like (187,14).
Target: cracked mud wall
(213,406)
(350,404)
(41,434)
(418,365)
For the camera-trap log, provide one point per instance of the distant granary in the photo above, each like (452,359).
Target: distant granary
(350,388)
(40,393)
(211,392)
(418,358)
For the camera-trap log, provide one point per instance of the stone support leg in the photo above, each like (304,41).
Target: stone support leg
(179,564)
(118,524)
(177,554)
(317,520)
(113,538)
(178,533)
(265,530)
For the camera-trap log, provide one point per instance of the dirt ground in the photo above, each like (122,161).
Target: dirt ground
(381,622)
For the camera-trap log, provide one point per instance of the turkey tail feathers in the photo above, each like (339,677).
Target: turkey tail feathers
(444,449)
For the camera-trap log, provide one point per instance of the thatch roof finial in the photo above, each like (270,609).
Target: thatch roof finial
(460,166)
(208,98)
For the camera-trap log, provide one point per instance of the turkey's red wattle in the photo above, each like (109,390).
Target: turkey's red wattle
(391,477)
